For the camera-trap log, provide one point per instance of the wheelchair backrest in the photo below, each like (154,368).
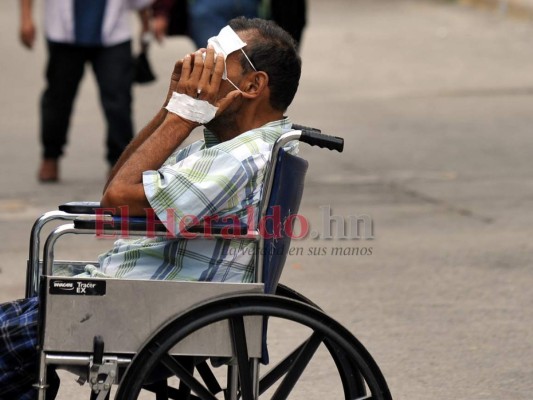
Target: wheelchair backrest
(283,205)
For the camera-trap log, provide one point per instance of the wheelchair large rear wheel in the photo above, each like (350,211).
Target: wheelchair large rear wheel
(304,374)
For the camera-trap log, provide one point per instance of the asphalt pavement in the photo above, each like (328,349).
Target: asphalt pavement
(434,101)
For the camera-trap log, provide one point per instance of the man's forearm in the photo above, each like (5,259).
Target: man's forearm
(26,9)
(150,128)
(126,188)
(144,16)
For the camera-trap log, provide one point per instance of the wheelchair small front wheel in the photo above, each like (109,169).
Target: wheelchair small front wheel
(302,331)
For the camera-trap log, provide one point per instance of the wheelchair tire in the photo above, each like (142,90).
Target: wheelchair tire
(325,330)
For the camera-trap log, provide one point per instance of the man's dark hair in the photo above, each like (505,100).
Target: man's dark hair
(273,51)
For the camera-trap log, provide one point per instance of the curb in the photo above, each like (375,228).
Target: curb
(519,9)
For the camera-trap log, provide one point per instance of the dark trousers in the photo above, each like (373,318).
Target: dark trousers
(113,69)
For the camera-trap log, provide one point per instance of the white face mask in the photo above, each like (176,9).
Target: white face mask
(226,43)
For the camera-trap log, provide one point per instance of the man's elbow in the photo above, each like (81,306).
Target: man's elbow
(112,198)
(130,201)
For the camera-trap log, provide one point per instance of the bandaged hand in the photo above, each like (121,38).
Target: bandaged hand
(196,95)
(194,110)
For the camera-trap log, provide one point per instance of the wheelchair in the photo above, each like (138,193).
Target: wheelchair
(197,340)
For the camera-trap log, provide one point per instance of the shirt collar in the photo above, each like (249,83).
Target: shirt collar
(283,125)
(210,139)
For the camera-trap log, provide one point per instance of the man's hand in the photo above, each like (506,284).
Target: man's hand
(27,27)
(27,34)
(201,79)
(159,27)
(145,15)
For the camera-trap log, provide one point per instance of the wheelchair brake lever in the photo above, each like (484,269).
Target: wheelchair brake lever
(102,372)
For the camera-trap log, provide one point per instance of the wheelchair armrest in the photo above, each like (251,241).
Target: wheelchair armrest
(144,226)
(141,224)
(119,224)
(220,228)
(80,207)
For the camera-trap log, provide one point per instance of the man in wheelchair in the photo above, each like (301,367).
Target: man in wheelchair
(238,88)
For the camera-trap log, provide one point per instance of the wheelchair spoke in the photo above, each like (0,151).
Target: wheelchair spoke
(298,366)
(186,377)
(208,377)
(241,350)
(279,370)
(184,391)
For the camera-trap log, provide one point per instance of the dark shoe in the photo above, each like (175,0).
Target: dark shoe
(49,170)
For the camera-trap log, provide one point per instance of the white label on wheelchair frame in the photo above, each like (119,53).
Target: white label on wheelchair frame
(77,287)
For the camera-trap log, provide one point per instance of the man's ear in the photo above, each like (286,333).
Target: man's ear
(255,85)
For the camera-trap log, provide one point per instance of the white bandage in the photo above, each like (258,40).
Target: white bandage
(192,109)
(226,43)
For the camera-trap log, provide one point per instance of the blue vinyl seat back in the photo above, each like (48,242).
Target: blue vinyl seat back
(284,201)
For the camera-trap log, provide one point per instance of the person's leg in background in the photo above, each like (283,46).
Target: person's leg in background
(63,74)
(113,67)
(208,17)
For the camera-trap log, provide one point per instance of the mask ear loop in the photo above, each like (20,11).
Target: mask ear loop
(232,84)
(248,60)
(229,80)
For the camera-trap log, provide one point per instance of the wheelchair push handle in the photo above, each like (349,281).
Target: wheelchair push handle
(315,138)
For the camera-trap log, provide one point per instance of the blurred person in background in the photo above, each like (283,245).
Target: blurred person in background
(77,32)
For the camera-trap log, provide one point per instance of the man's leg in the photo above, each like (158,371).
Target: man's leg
(18,351)
(63,74)
(113,67)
